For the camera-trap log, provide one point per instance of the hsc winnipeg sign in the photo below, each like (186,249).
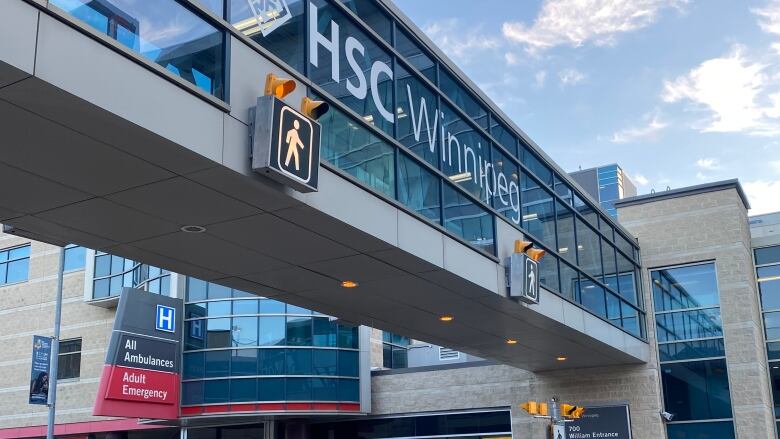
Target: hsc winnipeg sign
(141,375)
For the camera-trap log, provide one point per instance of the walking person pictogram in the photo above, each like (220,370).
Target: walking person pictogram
(293,141)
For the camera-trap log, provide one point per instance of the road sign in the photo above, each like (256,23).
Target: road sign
(285,145)
(523,278)
(558,431)
(165,319)
(39,372)
(605,421)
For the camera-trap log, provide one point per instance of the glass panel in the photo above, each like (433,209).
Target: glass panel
(168,34)
(373,16)
(691,350)
(293,309)
(283,23)
(17,270)
(100,290)
(503,135)
(325,362)
(630,320)
(415,55)
(3,256)
(299,331)
(196,289)
(215,6)
(193,365)
(688,325)
(272,331)
(505,186)
(243,390)
(325,332)
(684,287)
(348,337)
(417,116)
(418,189)
(548,272)
(463,99)
(244,331)
(325,389)
(353,149)
(767,255)
(298,389)
(613,309)
(565,224)
(538,215)
(102,265)
(701,430)
(192,393)
(219,309)
(465,153)
(569,282)
(243,362)
(218,333)
(270,389)
(363,78)
(533,163)
(467,220)
(19,252)
(217,363)
(271,361)
(216,391)
(592,297)
(587,212)
(769,286)
(772,325)
(75,258)
(610,266)
(400,358)
(349,390)
(588,249)
(563,190)
(773,350)
(270,306)
(624,245)
(245,307)
(349,364)
(627,278)
(774,376)
(298,361)
(696,390)
(218,291)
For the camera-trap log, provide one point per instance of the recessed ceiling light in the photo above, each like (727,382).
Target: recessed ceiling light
(193,229)
(349,284)
(561,358)
(511,341)
(446,318)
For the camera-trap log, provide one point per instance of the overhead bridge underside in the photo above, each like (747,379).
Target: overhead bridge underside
(98,150)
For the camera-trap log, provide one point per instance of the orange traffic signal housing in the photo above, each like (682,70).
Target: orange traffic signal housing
(314,109)
(522,246)
(535,253)
(532,407)
(279,87)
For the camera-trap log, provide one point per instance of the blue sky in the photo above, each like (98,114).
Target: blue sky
(678,92)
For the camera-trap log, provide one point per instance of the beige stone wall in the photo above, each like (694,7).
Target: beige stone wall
(505,386)
(27,309)
(713,226)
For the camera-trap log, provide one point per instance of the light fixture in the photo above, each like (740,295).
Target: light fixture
(511,341)
(463,176)
(446,318)
(563,249)
(561,358)
(193,229)
(530,216)
(349,284)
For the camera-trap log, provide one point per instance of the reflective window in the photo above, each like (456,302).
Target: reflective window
(298,362)
(773,351)
(75,257)
(685,287)
(587,212)
(243,362)
(505,186)
(503,135)
(593,299)
(325,332)
(466,219)
(112,273)
(217,364)
(769,286)
(373,16)
(299,331)
(353,149)
(565,223)
(279,27)
(772,325)
(610,266)
(272,331)
(361,76)
(325,389)
(270,389)
(244,331)
(696,390)
(168,34)
(538,214)
(215,6)
(325,361)
(462,98)
(768,255)
(536,166)
(563,190)
(588,249)
(548,272)
(414,54)
(774,376)
(271,361)
(685,325)
(464,155)
(691,350)
(14,264)
(418,126)
(69,359)
(701,430)
(569,282)
(243,390)
(216,391)
(418,189)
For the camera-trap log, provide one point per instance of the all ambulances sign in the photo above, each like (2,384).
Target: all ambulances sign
(285,145)
(141,377)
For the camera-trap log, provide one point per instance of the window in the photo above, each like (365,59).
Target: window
(286,41)
(415,55)
(169,35)
(701,430)
(395,351)
(466,219)
(416,116)
(685,287)
(446,354)
(418,189)
(75,257)
(69,359)
(112,273)
(538,214)
(462,98)
(768,255)
(696,390)
(14,264)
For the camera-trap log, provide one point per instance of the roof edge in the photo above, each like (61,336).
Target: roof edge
(686,191)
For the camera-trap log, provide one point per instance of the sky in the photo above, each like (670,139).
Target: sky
(677,92)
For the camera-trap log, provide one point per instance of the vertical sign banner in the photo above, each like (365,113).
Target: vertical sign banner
(39,372)
(142,374)
(611,422)
(523,278)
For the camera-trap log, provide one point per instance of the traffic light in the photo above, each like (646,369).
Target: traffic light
(543,411)
(532,407)
(572,411)
(314,109)
(522,246)
(279,87)
(535,253)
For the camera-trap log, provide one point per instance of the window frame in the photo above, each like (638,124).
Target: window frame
(61,354)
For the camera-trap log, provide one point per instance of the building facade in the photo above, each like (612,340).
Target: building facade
(606,184)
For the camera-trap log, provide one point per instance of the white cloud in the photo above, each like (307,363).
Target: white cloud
(770,17)
(735,90)
(775,165)
(576,22)
(460,45)
(647,131)
(511,59)
(708,164)
(701,176)
(763,196)
(641,180)
(540,78)
(570,77)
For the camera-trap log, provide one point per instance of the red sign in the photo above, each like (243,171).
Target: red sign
(131,384)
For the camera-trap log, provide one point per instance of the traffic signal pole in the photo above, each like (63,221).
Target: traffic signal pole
(55,349)
(558,414)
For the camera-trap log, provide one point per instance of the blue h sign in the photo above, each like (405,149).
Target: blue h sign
(166,319)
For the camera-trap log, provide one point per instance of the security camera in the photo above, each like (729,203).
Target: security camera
(667,416)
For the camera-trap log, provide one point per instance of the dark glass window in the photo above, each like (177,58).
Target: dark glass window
(462,98)
(218,334)
(193,365)
(244,331)
(627,278)
(588,249)
(243,390)
(349,390)
(592,298)
(353,149)
(325,389)
(243,362)
(69,359)
(348,337)
(466,219)
(696,390)
(298,389)
(217,364)
(774,376)
(566,245)
(325,332)
(414,54)
(325,362)
(282,35)
(192,393)
(772,325)
(563,190)
(587,212)
(768,255)
(548,272)
(610,266)
(373,16)
(693,286)
(533,163)
(538,214)
(348,363)
(503,135)
(14,264)
(298,361)
(773,351)
(270,389)
(418,189)
(168,34)
(216,391)
(299,331)
(701,430)
(624,245)
(505,186)
(769,286)
(271,362)
(686,325)
(691,350)
(464,155)
(352,82)
(75,257)
(569,282)
(418,124)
